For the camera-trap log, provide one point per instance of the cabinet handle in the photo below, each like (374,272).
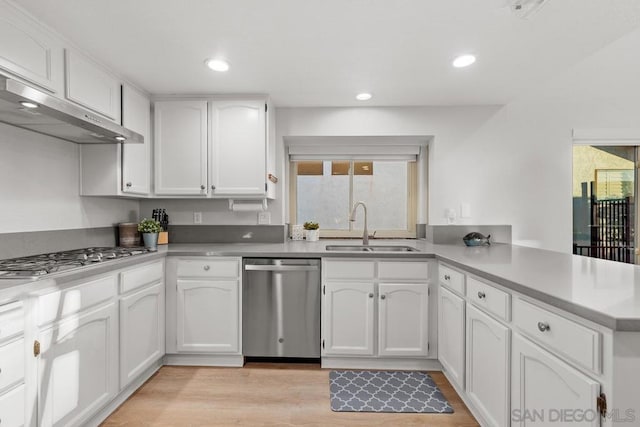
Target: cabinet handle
(383,296)
(36,348)
(129,185)
(371,295)
(481,295)
(447,277)
(206,268)
(202,187)
(543,326)
(213,187)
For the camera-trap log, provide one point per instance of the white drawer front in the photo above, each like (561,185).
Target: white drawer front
(342,270)
(11,320)
(138,277)
(57,305)
(11,364)
(493,300)
(12,407)
(452,279)
(219,268)
(576,342)
(403,270)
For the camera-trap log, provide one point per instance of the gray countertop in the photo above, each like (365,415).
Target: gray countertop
(604,292)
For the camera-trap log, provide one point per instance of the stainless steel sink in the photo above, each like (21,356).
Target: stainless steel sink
(370,248)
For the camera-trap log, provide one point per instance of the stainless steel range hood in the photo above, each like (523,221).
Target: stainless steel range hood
(32,109)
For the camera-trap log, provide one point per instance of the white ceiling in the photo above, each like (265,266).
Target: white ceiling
(323,52)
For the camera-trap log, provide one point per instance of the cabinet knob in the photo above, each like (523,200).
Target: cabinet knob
(371,295)
(213,187)
(280,340)
(202,187)
(447,277)
(481,295)
(543,326)
(128,185)
(206,268)
(383,296)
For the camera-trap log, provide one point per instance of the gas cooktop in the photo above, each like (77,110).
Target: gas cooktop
(40,265)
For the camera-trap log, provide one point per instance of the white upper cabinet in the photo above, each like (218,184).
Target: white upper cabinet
(90,86)
(136,158)
(28,51)
(180,138)
(237,158)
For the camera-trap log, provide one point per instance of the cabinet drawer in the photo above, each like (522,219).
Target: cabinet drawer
(138,277)
(491,299)
(452,279)
(12,407)
(576,342)
(11,364)
(403,270)
(57,305)
(222,268)
(11,320)
(349,270)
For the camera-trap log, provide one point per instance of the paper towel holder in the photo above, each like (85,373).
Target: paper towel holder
(248,205)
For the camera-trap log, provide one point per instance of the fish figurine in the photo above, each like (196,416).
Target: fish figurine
(476,239)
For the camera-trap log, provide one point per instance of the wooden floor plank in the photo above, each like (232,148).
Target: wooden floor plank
(260,395)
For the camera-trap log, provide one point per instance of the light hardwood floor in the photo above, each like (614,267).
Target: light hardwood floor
(260,395)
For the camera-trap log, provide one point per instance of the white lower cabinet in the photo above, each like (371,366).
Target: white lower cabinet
(349,318)
(208,316)
(402,319)
(12,407)
(487,376)
(543,387)
(451,328)
(141,331)
(78,367)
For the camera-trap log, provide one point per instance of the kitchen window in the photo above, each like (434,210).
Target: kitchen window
(325,190)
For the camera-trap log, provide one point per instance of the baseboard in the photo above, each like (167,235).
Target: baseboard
(378,363)
(124,394)
(474,411)
(231,360)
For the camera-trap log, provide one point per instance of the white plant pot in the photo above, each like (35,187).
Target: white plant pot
(312,235)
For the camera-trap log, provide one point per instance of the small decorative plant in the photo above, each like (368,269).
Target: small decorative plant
(149,226)
(310,225)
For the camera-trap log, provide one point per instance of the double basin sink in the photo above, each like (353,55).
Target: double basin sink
(370,248)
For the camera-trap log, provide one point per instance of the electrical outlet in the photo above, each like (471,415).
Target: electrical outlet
(264,218)
(197,217)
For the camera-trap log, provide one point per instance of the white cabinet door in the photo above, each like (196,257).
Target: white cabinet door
(141,331)
(91,86)
(544,386)
(488,349)
(28,51)
(237,160)
(180,147)
(12,407)
(348,318)
(136,158)
(78,367)
(451,337)
(208,316)
(403,317)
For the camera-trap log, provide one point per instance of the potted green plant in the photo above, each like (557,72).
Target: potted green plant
(150,229)
(312,230)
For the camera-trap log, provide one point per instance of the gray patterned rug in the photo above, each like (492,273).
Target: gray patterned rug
(386,391)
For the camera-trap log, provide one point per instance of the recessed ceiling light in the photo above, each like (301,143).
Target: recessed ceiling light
(120,138)
(363,96)
(217,64)
(464,61)
(28,104)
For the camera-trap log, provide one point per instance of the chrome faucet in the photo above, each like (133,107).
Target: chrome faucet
(352,217)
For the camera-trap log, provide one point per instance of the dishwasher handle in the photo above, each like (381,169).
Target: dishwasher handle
(252,267)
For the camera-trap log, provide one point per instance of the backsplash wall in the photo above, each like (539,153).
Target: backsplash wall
(39,187)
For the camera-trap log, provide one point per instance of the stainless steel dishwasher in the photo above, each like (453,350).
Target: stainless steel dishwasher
(281,308)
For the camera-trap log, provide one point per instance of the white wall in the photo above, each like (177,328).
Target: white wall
(39,184)
(512,164)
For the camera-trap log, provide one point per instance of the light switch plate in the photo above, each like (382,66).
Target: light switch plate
(197,217)
(264,218)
